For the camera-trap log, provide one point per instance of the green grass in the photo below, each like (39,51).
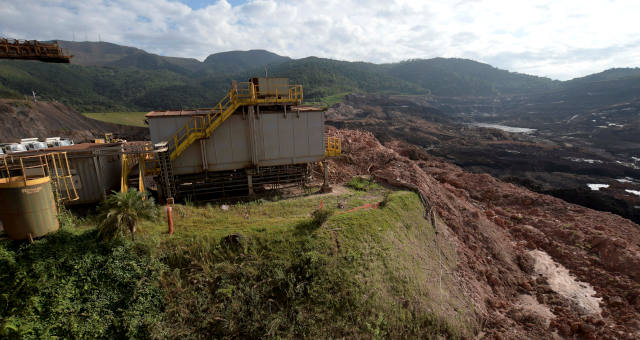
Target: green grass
(274,269)
(123,118)
(329,101)
(362,184)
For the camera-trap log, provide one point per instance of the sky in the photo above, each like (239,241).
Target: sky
(560,39)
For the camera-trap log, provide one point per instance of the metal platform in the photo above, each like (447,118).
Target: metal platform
(32,50)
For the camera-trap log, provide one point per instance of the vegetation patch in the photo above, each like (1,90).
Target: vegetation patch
(122,118)
(362,184)
(70,285)
(366,274)
(296,268)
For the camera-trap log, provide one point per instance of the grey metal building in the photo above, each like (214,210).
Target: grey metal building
(95,169)
(258,135)
(280,139)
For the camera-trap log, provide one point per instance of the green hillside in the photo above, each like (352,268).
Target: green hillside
(462,77)
(234,62)
(106,77)
(256,270)
(223,63)
(122,118)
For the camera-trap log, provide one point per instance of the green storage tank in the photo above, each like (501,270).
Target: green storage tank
(27,208)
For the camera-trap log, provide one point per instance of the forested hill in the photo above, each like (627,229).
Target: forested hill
(455,77)
(110,77)
(108,54)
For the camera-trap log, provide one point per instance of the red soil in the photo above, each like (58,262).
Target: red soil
(495,224)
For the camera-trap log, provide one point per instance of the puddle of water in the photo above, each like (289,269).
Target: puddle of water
(504,128)
(563,283)
(585,160)
(596,187)
(634,192)
(628,165)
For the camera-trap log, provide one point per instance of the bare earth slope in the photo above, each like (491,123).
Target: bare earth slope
(24,119)
(534,265)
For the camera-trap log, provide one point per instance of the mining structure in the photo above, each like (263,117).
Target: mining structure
(32,50)
(258,136)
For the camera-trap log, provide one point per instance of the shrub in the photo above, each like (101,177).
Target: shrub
(320,215)
(361,183)
(72,286)
(123,211)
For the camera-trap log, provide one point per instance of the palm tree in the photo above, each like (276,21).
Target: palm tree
(122,211)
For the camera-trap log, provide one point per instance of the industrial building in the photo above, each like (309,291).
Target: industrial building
(258,135)
(95,169)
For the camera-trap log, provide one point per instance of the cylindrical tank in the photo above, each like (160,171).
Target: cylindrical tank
(27,208)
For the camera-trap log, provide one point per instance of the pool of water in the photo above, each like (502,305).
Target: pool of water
(504,128)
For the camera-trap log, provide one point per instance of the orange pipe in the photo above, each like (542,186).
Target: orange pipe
(169,218)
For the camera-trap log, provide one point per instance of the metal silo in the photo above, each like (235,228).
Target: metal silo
(27,207)
(30,187)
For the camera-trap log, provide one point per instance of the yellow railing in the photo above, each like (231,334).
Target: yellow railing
(54,165)
(245,93)
(141,155)
(333,147)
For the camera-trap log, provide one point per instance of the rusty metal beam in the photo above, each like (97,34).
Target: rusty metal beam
(32,50)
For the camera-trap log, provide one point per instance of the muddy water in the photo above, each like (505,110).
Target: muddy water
(504,128)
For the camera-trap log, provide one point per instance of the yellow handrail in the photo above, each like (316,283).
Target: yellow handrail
(333,147)
(244,93)
(54,165)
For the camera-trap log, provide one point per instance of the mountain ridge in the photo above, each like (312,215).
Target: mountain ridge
(109,77)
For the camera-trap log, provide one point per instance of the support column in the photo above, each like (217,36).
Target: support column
(325,173)
(96,167)
(253,137)
(250,183)
(203,154)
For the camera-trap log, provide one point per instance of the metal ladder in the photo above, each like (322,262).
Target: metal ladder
(166,174)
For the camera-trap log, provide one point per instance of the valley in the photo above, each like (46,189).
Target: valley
(554,155)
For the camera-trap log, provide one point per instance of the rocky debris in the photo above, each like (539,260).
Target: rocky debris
(26,119)
(560,281)
(496,225)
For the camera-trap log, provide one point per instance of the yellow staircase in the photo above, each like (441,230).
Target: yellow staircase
(241,94)
(333,147)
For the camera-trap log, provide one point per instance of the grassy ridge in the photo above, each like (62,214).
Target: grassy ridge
(123,118)
(259,269)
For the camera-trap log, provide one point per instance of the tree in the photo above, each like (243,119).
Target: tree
(122,211)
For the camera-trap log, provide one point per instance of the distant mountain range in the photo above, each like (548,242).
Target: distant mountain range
(112,55)
(109,77)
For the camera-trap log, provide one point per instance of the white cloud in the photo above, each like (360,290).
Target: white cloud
(560,39)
